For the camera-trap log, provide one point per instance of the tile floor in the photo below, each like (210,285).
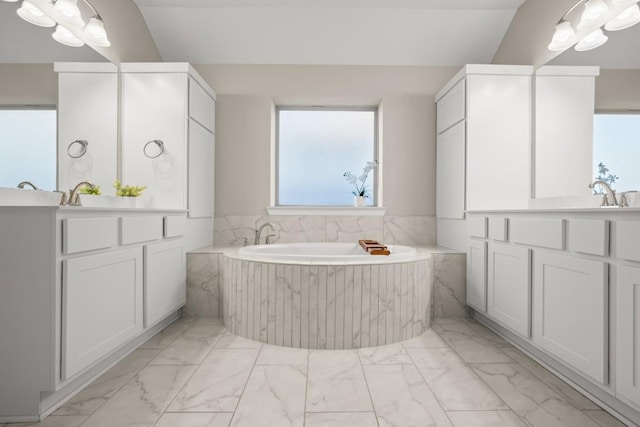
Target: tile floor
(195,374)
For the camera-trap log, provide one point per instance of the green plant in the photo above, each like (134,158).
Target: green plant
(95,190)
(359,182)
(128,190)
(605,176)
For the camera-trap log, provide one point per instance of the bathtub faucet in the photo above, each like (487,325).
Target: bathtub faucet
(256,241)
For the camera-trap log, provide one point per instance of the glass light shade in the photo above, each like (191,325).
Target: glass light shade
(64,36)
(69,12)
(594,14)
(11,1)
(94,33)
(618,2)
(592,40)
(628,18)
(33,15)
(563,38)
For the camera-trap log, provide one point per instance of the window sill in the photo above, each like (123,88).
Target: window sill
(326,210)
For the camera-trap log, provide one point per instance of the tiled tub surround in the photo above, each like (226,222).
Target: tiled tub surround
(446,270)
(326,306)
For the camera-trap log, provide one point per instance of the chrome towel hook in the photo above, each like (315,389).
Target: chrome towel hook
(83,150)
(160,146)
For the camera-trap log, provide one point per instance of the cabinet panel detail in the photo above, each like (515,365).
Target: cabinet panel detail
(589,236)
(498,229)
(571,311)
(509,287)
(140,229)
(477,275)
(87,234)
(546,233)
(174,225)
(451,107)
(201,171)
(628,333)
(627,238)
(102,306)
(201,106)
(477,227)
(450,175)
(165,279)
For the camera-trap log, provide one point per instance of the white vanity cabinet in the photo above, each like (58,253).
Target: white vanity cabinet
(165,287)
(168,125)
(87,124)
(477,275)
(627,318)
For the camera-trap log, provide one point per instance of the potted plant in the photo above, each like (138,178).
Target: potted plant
(361,191)
(128,192)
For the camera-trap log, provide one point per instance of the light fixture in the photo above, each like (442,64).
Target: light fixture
(584,30)
(33,15)
(591,41)
(628,18)
(71,29)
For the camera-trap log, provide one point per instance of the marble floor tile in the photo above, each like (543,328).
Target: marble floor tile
(217,384)
(274,396)
(485,419)
(530,398)
(205,327)
(429,339)
(455,385)
(276,355)
(166,336)
(54,421)
(233,341)
(143,399)
(190,349)
(573,396)
(392,354)
(486,333)
(336,383)
(206,419)
(468,343)
(341,419)
(98,392)
(401,398)
(603,418)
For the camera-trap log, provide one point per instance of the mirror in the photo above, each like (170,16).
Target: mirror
(28,132)
(609,148)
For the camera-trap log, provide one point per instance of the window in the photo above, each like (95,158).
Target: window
(616,147)
(316,146)
(28,142)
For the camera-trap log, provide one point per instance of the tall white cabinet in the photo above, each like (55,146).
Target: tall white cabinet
(168,136)
(87,124)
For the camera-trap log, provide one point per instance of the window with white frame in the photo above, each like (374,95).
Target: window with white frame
(28,141)
(316,146)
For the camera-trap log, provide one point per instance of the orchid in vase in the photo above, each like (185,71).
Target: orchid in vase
(361,189)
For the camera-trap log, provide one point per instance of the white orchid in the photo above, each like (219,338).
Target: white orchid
(359,182)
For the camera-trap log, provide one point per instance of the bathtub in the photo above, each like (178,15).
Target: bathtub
(326,295)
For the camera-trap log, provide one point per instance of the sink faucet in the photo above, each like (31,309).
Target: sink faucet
(256,241)
(609,198)
(31,184)
(74,200)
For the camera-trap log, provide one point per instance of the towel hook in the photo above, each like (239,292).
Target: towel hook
(160,145)
(83,150)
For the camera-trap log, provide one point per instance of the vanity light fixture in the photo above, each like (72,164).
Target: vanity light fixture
(585,30)
(65,15)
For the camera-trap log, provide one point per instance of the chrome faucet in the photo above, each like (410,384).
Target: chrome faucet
(256,241)
(31,184)
(74,200)
(609,199)
(63,197)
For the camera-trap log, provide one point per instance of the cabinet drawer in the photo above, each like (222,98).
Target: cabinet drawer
(140,229)
(101,307)
(88,234)
(477,227)
(451,107)
(201,106)
(174,226)
(627,237)
(546,233)
(499,229)
(589,236)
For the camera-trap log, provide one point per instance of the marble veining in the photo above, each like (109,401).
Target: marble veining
(449,288)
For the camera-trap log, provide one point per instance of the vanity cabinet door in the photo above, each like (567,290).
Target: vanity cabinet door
(450,173)
(570,318)
(201,171)
(101,306)
(509,287)
(628,333)
(477,275)
(165,279)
